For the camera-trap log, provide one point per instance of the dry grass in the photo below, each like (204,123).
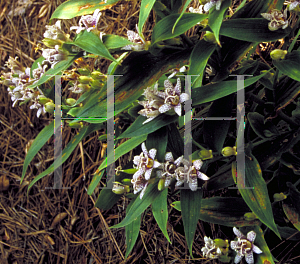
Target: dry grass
(63,226)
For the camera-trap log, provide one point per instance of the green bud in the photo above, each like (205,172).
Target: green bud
(71,101)
(85,79)
(268,75)
(278,54)
(49,107)
(84,87)
(119,188)
(44,100)
(161,184)
(75,124)
(96,84)
(229,151)
(126,181)
(221,243)
(97,75)
(51,43)
(210,37)
(84,71)
(250,216)
(279,197)
(205,154)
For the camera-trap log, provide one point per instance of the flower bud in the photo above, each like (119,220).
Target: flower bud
(97,75)
(278,54)
(250,216)
(44,100)
(71,101)
(205,154)
(161,184)
(210,37)
(221,243)
(84,87)
(51,43)
(49,107)
(119,188)
(279,197)
(75,124)
(85,79)
(229,151)
(96,84)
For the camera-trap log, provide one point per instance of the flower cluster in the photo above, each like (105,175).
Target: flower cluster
(277,18)
(158,102)
(179,170)
(18,80)
(218,248)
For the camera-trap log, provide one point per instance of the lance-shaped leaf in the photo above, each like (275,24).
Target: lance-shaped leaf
(36,145)
(140,205)
(181,14)
(190,211)
(254,191)
(131,231)
(146,7)
(92,43)
(198,60)
(215,19)
(115,41)
(292,214)
(160,212)
(252,30)
(73,8)
(67,150)
(163,29)
(290,65)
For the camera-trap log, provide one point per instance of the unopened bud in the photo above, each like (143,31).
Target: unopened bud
(119,188)
(278,54)
(279,197)
(229,151)
(205,154)
(250,216)
(44,100)
(97,75)
(161,184)
(51,43)
(49,107)
(210,37)
(71,101)
(96,84)
(84,87)
(85,79)
(75,124)
(221,243)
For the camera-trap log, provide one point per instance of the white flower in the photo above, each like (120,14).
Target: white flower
(137,39)
(244,246)
(88,22)
(194,173)
(211,4)
(145,162)
(278,19)
(211,250)
(54,56)
(294,5)
(55,32)
(173,97)
(139,184)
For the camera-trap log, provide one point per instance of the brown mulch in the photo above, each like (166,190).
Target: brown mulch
(63,226)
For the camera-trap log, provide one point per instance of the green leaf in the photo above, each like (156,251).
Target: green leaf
(290,65)
(131,231)
(264,129)
(190,211)
(36,145)
(254,191)
(73,8)
(140,205)
(211,92)
(176,205)
(146,7)
(115,41)
(265,257)
(163,29)
(215,19)
(198,60)
(291,213)
(92,43)
(94,182)
(175,141)
(252,30)
(57,70)
(181,14)
(160,212)
(121,150)
(215,131)
(67,151)
(137,128)
(221,179)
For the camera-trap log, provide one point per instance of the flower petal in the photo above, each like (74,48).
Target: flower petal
(152,153)
(177,109)
(164,108)
(249,258)
(183,97)
(256,249)
(148,174)
(197,164)
(202,176)
(237,232)
(169,157)
(251,236)
(237,258)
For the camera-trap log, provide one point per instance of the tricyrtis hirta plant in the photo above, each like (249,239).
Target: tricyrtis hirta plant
(210,92)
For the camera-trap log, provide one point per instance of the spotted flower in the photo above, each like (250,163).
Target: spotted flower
(145,163)
(194,173)
(137,39)
(277,18)
(244,246)
(210,250)
(88,22)
(139,185)
(211,4)
(173,97)
(55,32)
(294,6)
(53,56)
